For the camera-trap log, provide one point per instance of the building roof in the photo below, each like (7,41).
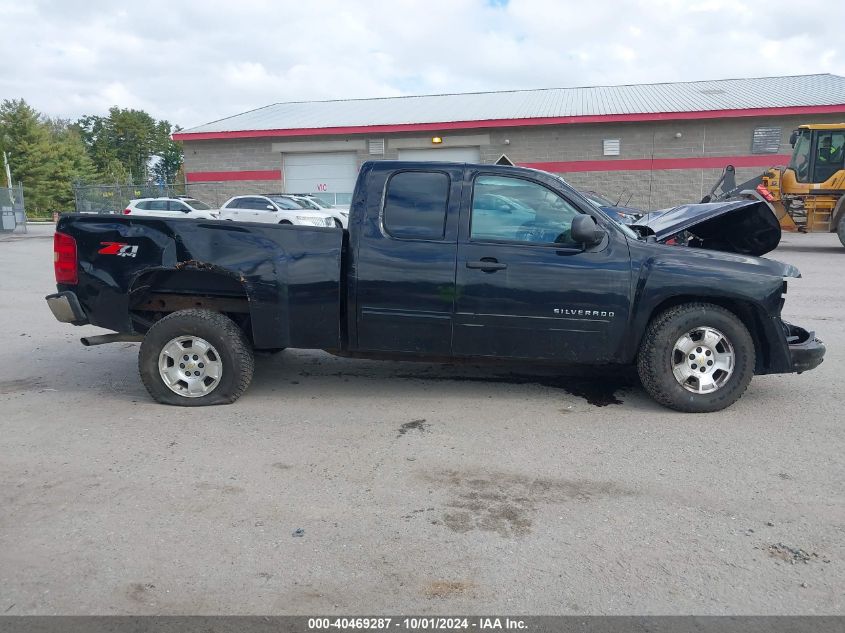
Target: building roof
(798,94)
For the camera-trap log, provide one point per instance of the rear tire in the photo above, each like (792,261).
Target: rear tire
(840,229)
(217,358)
(696,358)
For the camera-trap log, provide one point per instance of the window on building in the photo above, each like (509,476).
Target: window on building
(611,146)
(765,140)
(415,205)
(513,209)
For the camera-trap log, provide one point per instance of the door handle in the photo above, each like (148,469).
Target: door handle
(487,264)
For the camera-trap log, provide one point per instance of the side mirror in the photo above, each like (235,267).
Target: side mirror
(793,137)
(585,231)
(270,207)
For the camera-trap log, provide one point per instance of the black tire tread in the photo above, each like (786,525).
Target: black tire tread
(647,358)
(840,229)
(240,347)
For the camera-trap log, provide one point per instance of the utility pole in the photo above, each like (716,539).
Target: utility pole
(8,177)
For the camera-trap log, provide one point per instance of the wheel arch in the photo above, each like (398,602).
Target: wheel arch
(156,293)
(767,343)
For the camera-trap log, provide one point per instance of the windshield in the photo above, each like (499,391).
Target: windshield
(800,161)
(307,204)
(320,202)
(286,203)
(592,196)
(292,203)
(196,204)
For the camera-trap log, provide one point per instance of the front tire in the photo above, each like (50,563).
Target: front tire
(193,358)
(696,358)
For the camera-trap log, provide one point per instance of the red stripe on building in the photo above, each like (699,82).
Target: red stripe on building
(504,123)
(217,176)
(647,164)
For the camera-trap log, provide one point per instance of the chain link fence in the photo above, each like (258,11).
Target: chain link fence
(114,198)
(12,209)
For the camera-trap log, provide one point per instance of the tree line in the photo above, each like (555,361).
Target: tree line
(50,155)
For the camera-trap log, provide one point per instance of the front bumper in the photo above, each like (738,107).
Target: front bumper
(65,307)
(805,350)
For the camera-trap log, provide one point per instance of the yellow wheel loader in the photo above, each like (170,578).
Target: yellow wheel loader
(808,195)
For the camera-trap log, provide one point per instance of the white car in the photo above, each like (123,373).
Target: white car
(171,208)
(339,213)
(274,210)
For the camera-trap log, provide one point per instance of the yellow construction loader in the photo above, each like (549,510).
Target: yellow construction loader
(808,195)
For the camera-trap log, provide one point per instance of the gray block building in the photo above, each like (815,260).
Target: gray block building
(650,146)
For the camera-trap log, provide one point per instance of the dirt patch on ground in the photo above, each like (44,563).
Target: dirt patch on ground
(225,489)
(21,385)
(506,503)
(791,555)
(448,589)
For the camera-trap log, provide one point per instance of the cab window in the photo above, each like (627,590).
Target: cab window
(516,210)
(830,151)
(415,205)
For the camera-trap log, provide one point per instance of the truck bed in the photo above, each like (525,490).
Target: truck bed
(288,278)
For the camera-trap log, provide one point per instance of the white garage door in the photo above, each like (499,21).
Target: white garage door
(448,154)
(324,172)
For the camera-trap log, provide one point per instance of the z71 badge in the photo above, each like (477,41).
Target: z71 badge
(118,248)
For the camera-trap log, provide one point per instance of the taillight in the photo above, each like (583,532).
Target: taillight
(761,189)
(64,259)
(127,211)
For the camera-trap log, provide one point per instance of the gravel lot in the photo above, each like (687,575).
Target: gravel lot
(420,488)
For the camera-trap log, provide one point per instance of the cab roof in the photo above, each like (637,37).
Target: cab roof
(822,126)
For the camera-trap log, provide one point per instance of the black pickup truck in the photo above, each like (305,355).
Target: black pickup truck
(443,261)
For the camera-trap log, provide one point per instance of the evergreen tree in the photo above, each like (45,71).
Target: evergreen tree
(46,156)
(128,145)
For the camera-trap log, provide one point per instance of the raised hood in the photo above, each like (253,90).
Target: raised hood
(740,226)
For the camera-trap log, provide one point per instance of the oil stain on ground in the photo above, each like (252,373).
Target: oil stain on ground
(140,591)
(599,391)
(413,425)
(506,503)
(601,388)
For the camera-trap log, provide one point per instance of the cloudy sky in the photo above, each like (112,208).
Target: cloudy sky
(194,61)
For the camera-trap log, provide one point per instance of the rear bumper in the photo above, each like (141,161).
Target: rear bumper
(65,307)
(805,350)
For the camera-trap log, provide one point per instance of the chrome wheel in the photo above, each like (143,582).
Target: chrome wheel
(190,366)
(703,360)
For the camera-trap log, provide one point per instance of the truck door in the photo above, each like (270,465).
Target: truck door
(404,278)
(524,289)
